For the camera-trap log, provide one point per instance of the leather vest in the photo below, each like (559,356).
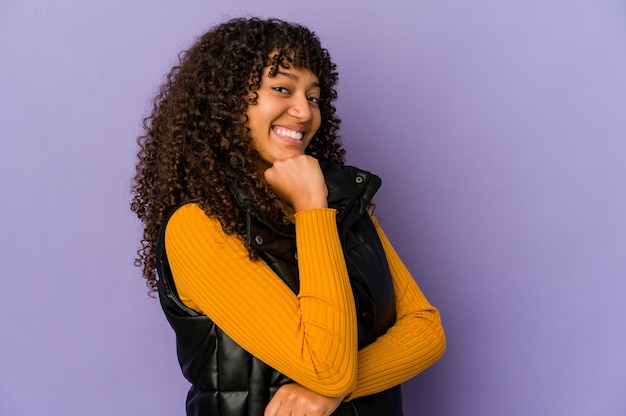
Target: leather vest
(228,381)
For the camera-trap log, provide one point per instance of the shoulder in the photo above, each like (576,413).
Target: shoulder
(187,210)
(189,219)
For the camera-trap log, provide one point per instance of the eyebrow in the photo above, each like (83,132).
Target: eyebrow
(295,77)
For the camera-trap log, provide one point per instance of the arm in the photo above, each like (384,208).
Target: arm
(415,341)
(310,337)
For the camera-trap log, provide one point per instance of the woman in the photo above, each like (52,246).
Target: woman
(285,295)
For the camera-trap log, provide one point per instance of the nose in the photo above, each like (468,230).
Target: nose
(300,108)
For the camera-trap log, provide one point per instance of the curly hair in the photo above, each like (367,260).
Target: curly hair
(197,130)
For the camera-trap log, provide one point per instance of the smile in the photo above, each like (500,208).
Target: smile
(292,134)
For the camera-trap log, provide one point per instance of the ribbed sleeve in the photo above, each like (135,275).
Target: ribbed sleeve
(310,337)
(415,341)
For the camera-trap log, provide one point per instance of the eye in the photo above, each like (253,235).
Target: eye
(314,100)
(280,89)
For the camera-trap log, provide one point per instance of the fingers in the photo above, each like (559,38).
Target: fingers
(272,407)
(296,400)
(299,181)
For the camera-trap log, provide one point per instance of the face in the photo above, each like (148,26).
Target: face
(286,115)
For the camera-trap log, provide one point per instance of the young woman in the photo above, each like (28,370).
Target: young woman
(285,295)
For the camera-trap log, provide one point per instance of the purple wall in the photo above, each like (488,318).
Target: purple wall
(497,126)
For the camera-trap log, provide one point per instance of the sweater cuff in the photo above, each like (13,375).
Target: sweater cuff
(313,218)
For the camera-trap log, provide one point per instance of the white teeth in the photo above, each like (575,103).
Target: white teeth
(288,133)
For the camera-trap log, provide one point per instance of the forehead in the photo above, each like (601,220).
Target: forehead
(291,58)
(304,75)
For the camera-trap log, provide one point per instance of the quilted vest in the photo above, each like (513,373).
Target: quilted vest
(228,381)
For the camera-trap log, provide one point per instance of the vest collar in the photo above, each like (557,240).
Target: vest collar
(350,190)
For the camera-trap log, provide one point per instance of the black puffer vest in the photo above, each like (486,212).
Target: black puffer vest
(228,381)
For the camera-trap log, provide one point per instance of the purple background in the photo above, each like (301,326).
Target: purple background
(499,128)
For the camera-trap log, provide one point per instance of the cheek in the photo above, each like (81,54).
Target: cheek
(318,119)
(255,119)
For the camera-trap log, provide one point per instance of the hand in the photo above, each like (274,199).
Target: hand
(299,181)
(296,400)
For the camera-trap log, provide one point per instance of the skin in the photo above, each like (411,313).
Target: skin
(295,400)
(287,106)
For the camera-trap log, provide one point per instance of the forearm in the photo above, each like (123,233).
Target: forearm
(405,351)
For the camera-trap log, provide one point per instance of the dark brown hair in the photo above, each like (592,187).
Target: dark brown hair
(197,128)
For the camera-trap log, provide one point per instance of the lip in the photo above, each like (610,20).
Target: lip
(294,128)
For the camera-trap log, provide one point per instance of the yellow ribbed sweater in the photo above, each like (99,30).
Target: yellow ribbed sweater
(311,337)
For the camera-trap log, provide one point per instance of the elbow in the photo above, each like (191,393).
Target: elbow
(440,344)
(438,340)
(438,336)
(339,383)
(332,385)
(332,376)
(432,337)
(344,386)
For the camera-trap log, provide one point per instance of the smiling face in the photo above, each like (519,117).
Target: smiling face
(286,115)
